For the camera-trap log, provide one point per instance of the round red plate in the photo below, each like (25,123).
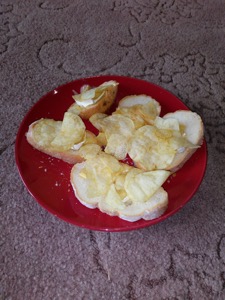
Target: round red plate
(48,179)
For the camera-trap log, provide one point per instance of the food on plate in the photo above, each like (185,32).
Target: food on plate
(152,142)
(115,131)
(118,189)
(61,139)
(157,145)
(91,100)
(141,109)
(167,144)
(192,128)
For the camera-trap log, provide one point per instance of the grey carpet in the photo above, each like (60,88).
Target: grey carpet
(179,45)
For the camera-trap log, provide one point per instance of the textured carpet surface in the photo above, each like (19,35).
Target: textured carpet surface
(179,45)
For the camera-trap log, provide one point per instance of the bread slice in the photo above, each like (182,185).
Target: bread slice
(142,99)
(70,156)
(79,185)
(153,208)
(148,210)
(102,105)
(193,128)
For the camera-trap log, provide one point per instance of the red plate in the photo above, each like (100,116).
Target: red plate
(48,179)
